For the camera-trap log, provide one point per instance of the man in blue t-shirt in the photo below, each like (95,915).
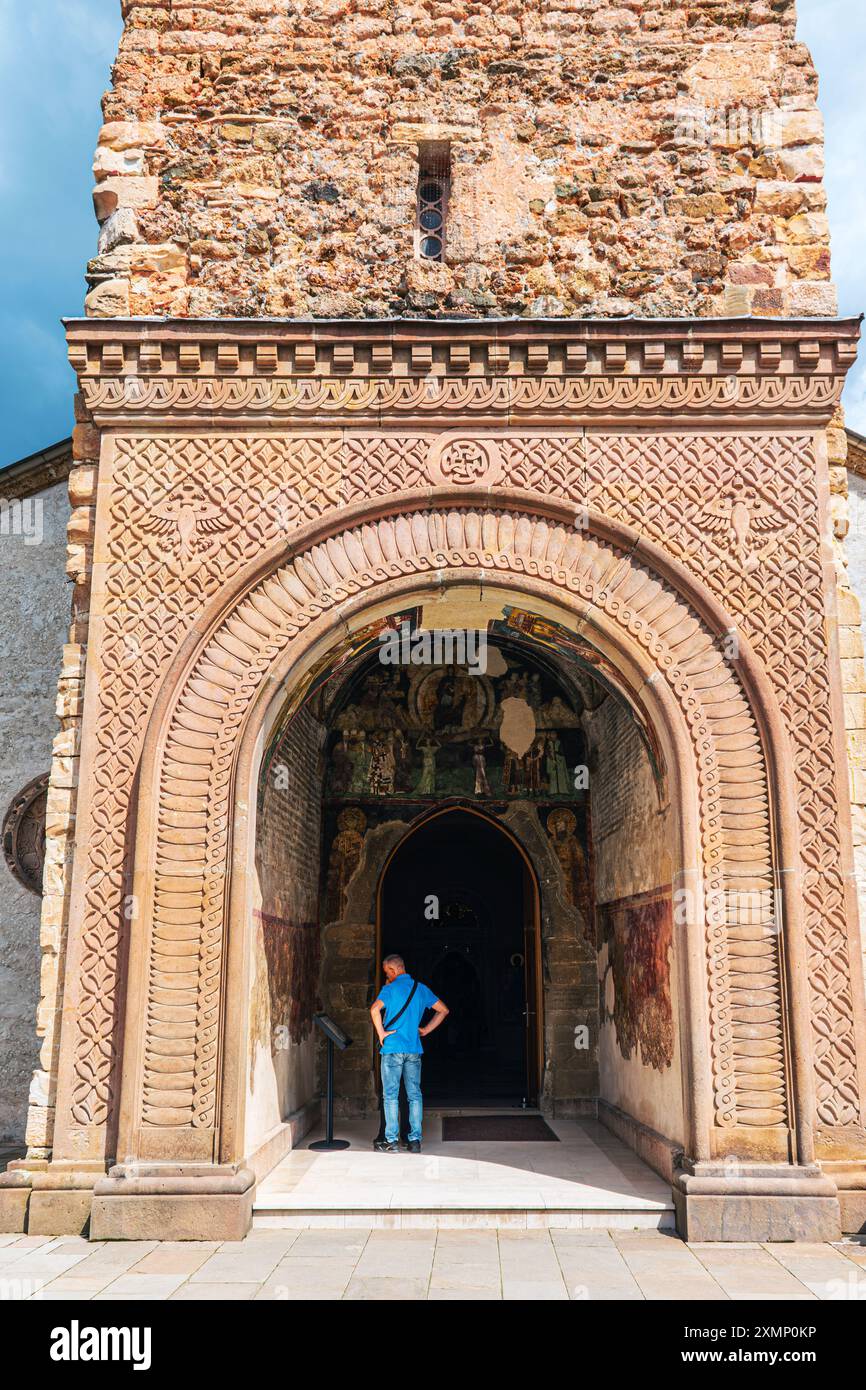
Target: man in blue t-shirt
(401,1049)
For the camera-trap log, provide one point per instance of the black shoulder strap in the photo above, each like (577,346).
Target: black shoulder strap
(400,1012)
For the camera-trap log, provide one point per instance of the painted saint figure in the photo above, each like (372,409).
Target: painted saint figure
(512,771)
(341,765)
(382,765)
(479,762)
(360,760)
(345,857)
(558,783)
(402,762)
(427,781)
(561,827)
(532,764)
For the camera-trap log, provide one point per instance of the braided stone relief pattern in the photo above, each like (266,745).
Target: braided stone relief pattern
(185,967)
(771,580)
(163,566)
(376,398)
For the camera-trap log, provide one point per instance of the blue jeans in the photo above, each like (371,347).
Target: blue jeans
(407,1065)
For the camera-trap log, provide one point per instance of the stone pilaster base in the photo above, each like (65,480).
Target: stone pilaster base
(853,1208)
(157,1202)
(850,1179)
(61,1211)
(52,1199)
(755,1202)
(15,1189)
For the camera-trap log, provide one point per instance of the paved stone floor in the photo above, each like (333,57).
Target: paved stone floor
(587,1177)
(435,1264)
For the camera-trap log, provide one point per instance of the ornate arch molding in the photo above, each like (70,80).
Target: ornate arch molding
(620,584)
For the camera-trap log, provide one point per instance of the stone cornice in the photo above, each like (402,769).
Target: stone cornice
(265,371)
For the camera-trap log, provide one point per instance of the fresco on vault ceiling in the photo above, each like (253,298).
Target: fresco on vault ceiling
(423,733)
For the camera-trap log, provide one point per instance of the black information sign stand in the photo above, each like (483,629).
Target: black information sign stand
(336,1038)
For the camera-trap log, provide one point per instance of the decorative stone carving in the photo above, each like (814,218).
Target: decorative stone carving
(188,527)
(195,780)
(175,397)
(742,516)
(464,460)
(778,605)
(24,834)
(201,359)
(557,436)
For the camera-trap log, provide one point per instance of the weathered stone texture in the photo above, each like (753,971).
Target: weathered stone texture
(286,954)
(259,158)
(65,761)
(632,854)
(33,625)
(848,508)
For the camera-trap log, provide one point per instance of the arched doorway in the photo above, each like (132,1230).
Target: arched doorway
(187,1024)
(620,606)
(459,901)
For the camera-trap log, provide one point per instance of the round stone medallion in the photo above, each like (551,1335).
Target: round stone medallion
(465,460)
(24,834)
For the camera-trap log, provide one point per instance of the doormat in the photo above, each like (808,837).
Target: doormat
(497,1129)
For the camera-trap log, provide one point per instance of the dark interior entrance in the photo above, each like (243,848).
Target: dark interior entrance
(457,902)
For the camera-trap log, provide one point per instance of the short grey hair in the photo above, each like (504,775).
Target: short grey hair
(394,960)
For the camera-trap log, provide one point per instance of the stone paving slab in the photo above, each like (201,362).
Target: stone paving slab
(393,1289)
(329,1244)
(436,1265)
(177,1257)
(190,1293)
(853,1249)
(530,1268)
(49,1261)
(311,1278)
(825,1271)
(594,1271)
(249,1262)
(667,1270)
(750,1272)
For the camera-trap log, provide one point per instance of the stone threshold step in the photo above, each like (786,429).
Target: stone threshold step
(444,1218)
(437,1201)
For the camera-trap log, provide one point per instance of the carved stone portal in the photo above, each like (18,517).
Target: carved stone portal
(664,507)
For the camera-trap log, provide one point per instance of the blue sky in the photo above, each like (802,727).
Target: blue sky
(55,57)
(835,31)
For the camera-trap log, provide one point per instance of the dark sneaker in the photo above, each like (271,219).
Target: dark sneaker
(383,1147)
(414,1146)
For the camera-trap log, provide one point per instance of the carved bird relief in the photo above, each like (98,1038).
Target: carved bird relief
(185,521)
(743,517)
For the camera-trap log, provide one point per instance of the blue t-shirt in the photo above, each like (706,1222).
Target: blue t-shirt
(394,996)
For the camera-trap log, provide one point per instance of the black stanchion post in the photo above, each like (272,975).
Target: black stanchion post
(336,1038)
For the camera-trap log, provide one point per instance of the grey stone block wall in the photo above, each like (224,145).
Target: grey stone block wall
(34,620)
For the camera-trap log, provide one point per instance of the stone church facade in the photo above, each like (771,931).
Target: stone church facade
(513,320)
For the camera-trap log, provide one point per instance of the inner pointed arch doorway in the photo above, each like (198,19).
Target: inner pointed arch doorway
(458,899)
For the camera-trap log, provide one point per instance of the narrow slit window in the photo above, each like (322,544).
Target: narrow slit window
(434,180)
